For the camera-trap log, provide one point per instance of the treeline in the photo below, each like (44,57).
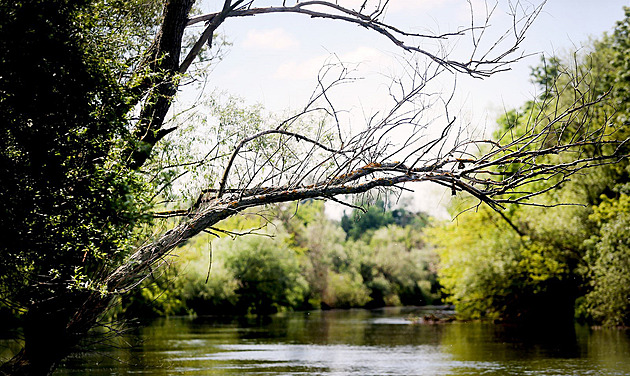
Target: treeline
(551,264)
(301,260)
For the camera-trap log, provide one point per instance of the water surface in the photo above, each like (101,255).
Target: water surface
(355,342)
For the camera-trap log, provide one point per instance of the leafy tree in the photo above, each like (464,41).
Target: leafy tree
(331,271)
(268,275)
(391,267)
(490,271)
(608,259)
(374,217)
(522,265)
(359,223)
(156,298)
(70,203)
(400,257)
(203,281)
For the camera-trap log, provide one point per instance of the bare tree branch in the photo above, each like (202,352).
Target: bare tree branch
(313,154)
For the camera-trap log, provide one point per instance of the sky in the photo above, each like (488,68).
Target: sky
(273,60)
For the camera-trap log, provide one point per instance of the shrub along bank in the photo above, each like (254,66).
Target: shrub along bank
(302,260)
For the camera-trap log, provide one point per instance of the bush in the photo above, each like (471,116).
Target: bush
(267,271)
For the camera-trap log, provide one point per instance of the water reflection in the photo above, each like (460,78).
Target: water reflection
(356,342)
(484,341)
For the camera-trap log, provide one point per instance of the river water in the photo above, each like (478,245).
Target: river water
(355,342)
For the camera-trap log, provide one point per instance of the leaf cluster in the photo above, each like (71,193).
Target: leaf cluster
(69,202)
(564,257)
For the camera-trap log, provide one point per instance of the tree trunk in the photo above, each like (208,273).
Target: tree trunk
(46,344)
(26,363)
(164,62)
(53,329)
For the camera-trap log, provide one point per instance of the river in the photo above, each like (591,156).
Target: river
(354,342)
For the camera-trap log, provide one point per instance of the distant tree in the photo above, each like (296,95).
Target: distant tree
(268,275)
(89,161)
(374,217)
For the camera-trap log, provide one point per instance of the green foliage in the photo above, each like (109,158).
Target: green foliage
(308,264)
(156,298)
(68,199)
(608,259)
(545,76)
(490,271)
(268,274)
(346,290)
(476,257)
(398,267)
(562,254)
(204,283)
(358,223)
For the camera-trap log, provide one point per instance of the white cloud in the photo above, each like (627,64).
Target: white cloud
(405,5)
(300,70)
(368,58)
(271,39)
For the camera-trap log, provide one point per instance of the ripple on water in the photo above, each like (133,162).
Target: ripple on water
(353,343)
(331,359)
